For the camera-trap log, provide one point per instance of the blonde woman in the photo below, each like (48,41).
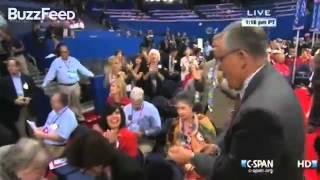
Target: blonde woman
(118,94)
(117,97)
(112,71)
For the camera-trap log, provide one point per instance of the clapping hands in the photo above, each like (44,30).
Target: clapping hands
(111,136)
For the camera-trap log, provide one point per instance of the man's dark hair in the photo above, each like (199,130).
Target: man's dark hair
(89,151)
(184,97)
(252,39)
(58,47)
(61,46)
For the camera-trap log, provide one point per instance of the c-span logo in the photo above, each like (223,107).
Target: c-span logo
(258,166)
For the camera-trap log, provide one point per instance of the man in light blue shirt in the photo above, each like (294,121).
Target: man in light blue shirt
(66,69)
(61,122)
(143,118)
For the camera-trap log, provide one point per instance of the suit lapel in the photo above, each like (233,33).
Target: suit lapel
(12,89)
(255,82)
(23,81)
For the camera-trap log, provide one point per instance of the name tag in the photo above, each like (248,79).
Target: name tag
(25,86)
(129,88)
(54,126)
(72,74)
(135,127)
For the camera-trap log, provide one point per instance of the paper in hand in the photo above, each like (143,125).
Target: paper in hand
(32,125)
(51,55)
(57,163)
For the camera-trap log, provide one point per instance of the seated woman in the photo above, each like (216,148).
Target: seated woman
(137,71)
(118,95)
(192,131)
(112,71)
(112,127)
(94,156)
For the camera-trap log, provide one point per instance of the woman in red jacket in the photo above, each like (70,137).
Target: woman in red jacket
(112,127)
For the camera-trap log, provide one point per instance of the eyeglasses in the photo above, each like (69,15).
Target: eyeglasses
(220,59)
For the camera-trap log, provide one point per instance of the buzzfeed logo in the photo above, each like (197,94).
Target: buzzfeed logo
(15,14)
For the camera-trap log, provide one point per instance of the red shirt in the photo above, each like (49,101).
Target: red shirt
(186,80)
(283,69)
(303,60)
(128,142)
(123,102)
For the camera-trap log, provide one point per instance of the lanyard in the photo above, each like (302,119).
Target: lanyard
(46,129)
(66,63)
(59,115)
(131,116)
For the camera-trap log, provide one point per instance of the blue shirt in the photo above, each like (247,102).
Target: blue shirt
(62,123)
(18,85)
(66,72)
(146,120)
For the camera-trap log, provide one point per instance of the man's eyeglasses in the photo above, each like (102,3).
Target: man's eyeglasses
(220,59)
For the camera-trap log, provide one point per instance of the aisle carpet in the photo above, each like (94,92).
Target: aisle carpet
(310,154)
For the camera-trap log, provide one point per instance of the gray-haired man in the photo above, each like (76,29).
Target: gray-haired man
(143,118)
(268,124)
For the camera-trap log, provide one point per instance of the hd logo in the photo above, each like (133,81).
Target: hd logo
(308,164)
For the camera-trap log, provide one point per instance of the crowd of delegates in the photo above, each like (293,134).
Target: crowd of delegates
(11,47)
(56,30)
(165,106)
(282,55)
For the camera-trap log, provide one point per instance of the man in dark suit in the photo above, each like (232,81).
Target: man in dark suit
(217,98)
(268,124)
(171,65)
(16,99)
